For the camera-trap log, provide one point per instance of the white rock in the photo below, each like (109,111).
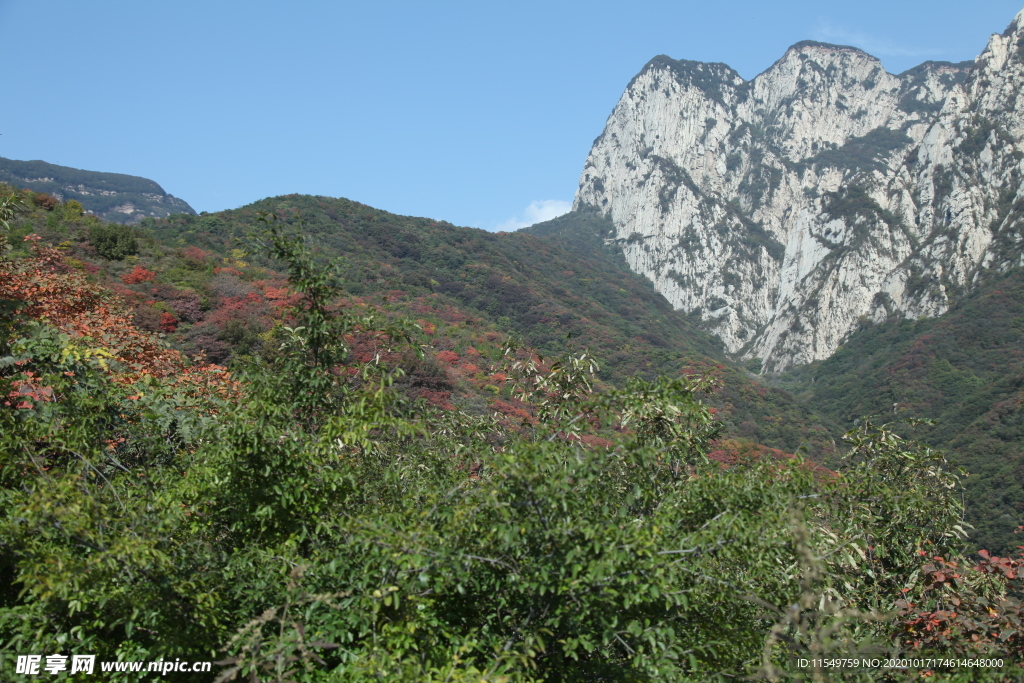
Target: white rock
(822,193)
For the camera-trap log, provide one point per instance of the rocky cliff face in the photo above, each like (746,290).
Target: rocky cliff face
(822,193)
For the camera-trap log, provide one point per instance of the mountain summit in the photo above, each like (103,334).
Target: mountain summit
(822,193)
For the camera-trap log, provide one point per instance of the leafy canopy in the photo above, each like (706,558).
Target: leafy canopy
(303,520)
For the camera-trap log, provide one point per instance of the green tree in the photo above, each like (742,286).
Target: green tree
(11,204)
(113,241)
(322,527)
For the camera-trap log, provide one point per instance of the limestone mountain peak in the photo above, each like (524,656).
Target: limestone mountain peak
(788,209)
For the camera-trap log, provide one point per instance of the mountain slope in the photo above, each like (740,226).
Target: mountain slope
(112,196)
(785,209)
(544,284)
(202,281)
(965,370)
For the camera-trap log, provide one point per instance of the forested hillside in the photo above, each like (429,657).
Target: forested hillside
(965,371)
(111,196)
(204,283)
(305,515)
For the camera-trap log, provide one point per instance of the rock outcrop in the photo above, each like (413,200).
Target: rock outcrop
(826,192)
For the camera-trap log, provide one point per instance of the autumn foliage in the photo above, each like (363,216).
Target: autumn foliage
(45,201)
(388,488)
(967,611)
(139,274)
(168,323)
(46,289)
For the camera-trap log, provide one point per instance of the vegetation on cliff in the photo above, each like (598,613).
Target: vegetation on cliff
(964,370)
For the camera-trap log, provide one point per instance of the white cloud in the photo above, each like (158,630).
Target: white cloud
(828,33)
(536,212)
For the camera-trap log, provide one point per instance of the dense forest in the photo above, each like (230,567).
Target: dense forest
(964,371)
(315,441)
(204,283)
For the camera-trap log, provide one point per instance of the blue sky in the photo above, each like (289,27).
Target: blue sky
(478,113)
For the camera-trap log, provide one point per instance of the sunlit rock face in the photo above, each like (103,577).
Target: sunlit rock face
(823,193)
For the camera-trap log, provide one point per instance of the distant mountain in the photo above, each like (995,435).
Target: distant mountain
(112,196)
(786,209)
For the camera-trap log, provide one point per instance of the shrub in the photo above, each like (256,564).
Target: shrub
(45,201)
(112,241)
(73,210)
(194,257)
(138,275)
(188,307)
(168,323)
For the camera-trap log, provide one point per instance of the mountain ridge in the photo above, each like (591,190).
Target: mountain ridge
(785,208)
(115,197)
